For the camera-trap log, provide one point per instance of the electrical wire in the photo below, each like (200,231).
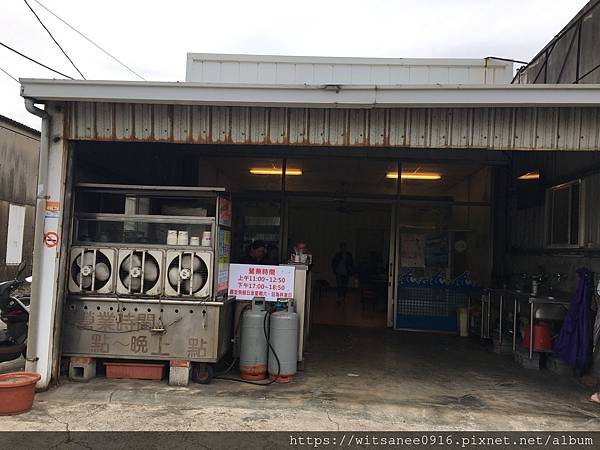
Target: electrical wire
(506,59)
(8,74)
(91,42)
(55,41)
(35,61)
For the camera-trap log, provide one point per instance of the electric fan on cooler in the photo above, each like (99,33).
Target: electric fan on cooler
(188,273)
(91,270)
(139,272)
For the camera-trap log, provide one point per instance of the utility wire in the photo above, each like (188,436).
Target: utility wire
(55,41)
(507,59)
(91,42)
(1,69)
(34,61)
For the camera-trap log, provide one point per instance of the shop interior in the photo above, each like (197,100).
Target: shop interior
(424,216)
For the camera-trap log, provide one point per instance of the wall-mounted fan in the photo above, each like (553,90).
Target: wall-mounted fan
(91,270)
(188,273)
(139,272)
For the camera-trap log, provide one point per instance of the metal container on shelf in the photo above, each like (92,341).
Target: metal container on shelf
(182,238)
(172,237)
(253,352)
(283,339)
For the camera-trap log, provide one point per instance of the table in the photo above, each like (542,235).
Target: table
(519,297)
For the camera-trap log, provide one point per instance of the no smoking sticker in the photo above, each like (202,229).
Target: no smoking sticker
(51,239)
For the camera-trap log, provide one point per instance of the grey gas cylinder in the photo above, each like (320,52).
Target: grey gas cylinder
(253,351)
(284,340)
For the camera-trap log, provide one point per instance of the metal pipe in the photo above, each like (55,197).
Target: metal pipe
(469,315)
(515,312)
(500,324)
(481,316)
(147,301)
(531,320)
(40,208)
(489,315)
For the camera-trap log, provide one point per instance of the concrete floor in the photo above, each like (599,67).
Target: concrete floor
(354,379)
(326,311)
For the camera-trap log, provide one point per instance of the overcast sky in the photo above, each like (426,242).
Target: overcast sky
(154,36)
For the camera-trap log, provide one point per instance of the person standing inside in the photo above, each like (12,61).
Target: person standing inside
(256,253)
(342,265)
(272,256)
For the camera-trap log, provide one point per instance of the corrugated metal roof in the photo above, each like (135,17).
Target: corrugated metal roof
(19,125)
(486,128)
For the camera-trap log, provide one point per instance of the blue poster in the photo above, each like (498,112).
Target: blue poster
(436,250)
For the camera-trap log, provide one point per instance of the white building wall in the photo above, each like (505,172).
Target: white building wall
(286,70)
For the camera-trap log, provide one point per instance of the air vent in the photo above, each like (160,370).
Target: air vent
(188,274)
(140,272)
(91,270)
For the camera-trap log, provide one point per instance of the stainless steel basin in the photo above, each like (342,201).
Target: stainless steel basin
(550,312)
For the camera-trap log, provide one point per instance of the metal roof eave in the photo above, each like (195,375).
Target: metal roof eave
(316,96)
(446,62)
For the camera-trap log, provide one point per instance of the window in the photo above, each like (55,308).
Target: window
(14,236)
(564,215)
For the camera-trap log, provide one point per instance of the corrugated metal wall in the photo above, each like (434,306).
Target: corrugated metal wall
(527,228)
(527,224)
(491,128)
(18,180)
(572,56)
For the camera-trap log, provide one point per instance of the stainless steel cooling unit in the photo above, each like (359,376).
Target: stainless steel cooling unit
(148,274)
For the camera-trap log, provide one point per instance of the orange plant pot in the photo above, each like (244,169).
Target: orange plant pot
(17,390)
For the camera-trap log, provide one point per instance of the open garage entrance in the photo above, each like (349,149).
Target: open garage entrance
(412,223)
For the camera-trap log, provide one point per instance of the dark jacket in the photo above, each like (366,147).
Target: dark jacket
(349,262)
(574,342)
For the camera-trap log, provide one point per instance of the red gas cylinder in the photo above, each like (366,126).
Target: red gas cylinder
(542,337)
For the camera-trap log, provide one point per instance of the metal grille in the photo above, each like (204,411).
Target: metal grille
(431,301)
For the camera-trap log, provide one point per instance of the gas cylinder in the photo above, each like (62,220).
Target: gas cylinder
(253,349)
(542,337)
(283,338)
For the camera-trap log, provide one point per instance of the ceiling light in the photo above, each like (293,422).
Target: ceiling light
(415,175)
(535,175)
(274,171)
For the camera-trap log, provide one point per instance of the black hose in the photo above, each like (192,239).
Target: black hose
(268,337)
(269,346)
(226,371)
(235,334)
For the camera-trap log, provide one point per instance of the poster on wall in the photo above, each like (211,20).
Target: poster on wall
(223,260)
(412,250)
(247,281)
(436,250)
(225,211)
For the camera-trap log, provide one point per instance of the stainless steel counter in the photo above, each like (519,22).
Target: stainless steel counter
(541,307)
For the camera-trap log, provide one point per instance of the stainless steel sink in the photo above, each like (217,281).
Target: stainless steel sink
(550,312)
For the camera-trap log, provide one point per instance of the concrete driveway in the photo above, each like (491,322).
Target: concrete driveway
(354,379)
